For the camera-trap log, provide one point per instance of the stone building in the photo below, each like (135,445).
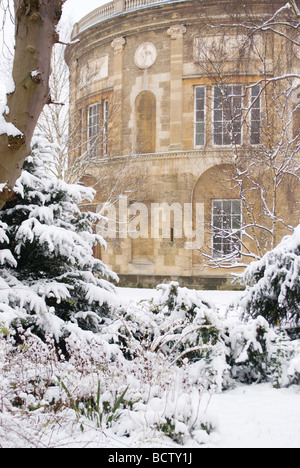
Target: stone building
(180,123)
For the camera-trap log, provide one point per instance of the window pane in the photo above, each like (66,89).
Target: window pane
(236,222)
(227,222)
(217,206)
(255,114)
(237,90)
(255,124)
(227,207)
(218,93)
(255,90)
(217,222)
(200,92)
(199,115)
(218,115)
(255,127)
(236,207)
(199,139)
(226,138)
(255,138)
(105,126)
(200,127)
(227,110)
(93,129)
(218,140)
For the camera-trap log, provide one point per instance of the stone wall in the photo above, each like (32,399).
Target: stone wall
(146,59)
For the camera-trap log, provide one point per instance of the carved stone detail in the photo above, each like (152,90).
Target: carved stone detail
(177,31)
(118,43)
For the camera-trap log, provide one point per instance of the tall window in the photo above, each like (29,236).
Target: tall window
(255,116)
(227,221)
(228,115)
(199,115)
(93,129)
(105,126)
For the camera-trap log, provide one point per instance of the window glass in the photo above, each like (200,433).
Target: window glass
(227,222)
(199,115)
(93,129)
(255,126)
(227,115)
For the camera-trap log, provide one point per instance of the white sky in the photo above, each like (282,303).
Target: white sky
(77,9)
(73,11)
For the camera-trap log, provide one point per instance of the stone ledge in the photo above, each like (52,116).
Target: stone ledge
(113,9)
(192,154)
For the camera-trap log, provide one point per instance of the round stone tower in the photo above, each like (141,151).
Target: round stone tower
(148,123)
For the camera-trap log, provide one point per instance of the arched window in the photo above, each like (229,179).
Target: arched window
(145,113)
(216,190)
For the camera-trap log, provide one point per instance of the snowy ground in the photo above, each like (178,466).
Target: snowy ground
(249,416)
(220,298)
(256,416)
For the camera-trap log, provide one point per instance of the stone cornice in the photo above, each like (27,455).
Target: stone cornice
(193,154)
(115,8)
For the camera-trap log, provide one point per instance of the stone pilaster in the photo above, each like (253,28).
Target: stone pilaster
(116,133)
(176,33)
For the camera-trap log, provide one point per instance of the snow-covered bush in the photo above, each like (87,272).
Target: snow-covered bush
(146,376)
(179,326)
(177,415)
(182,329)
(273,284)
(258,353)
(49,277)
(95,388)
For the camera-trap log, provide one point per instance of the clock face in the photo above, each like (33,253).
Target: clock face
(145,55)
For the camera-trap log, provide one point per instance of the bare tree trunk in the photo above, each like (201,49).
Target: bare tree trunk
(35,35)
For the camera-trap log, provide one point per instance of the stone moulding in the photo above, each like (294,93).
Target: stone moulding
(200,154)
(112,9)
